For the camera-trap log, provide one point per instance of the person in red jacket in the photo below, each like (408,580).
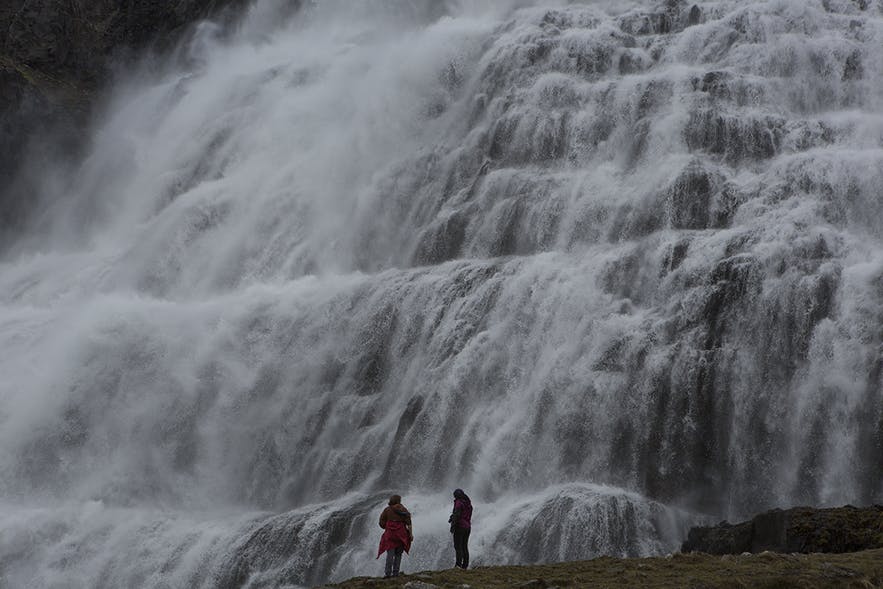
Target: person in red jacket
(461,525)
(397,535)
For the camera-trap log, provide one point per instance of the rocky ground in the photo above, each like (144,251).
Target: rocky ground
(800,548)
(694,571)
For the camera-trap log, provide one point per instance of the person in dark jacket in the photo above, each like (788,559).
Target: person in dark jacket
(397,535)
(461,525)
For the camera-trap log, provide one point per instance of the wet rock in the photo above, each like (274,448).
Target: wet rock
(853,69)
(676,254)
(442,241)
(419,585)
(690,198)
(584,524)
(630,63)
(715,83)
(671,16)
(736,138)
(269,548)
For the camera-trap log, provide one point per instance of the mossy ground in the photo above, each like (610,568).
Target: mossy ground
(689,571)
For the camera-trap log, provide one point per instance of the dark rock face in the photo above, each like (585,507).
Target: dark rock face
(54,57)
(71,39)
(801,529)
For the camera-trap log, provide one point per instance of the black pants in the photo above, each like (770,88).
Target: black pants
(461,546)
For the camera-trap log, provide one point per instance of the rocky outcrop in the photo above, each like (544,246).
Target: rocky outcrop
(71,39)
(801,529)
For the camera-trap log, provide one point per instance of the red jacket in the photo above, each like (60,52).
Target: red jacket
(396,522)
(396,535)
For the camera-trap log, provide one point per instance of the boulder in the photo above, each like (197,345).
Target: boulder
(419,585)
(801,529)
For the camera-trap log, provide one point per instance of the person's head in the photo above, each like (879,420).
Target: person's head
(459,494)
(395,499)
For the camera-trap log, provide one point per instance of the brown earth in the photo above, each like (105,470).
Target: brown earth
(691,571)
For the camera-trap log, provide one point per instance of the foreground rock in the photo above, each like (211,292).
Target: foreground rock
(801,529)
(860,569)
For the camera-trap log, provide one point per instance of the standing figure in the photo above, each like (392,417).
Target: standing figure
(461,525)
(397,536)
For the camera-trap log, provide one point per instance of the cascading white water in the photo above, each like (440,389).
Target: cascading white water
(613,268)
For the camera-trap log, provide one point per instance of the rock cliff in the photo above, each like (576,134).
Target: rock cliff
(55,55)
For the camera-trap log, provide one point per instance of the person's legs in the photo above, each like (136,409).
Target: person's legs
(390,562)
(458,545)
(465,548)
(398,561)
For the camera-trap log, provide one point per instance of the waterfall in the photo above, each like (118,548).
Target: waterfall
(615,269)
